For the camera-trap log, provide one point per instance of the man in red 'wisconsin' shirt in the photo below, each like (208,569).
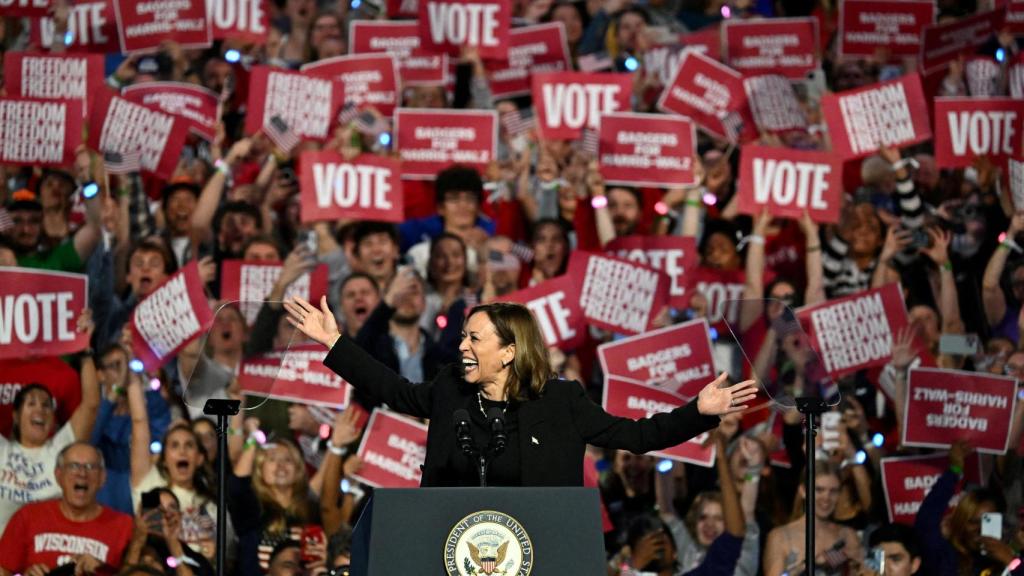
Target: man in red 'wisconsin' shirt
(74,529)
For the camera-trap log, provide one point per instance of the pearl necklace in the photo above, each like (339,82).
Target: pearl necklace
(480,402)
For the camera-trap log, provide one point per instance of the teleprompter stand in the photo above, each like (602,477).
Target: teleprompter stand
(811,408)
(223,409)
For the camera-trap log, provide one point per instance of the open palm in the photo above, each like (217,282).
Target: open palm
(317,323)
(716,400)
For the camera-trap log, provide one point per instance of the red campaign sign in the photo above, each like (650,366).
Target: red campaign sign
(661,62)
(416,66)
(707,41)
(647,150)
(25,8)
(118,125)
(1015,175)
(367,188)
(616,294)
(308,105)
(39,312)
(298,375)
(968,128)
(247,21)
(723,290)
(790,181)
(91,24)
(143,26)
(1015,16)
(706,91)
(942,43)
(1015,77)
(555,304)
(867,25)
(393,449)
(906,480)
(943,406)
(403,9)
(54,76)
(784,46)
(855,332)
(195,105)
(449,26)
(430,140)
(773,104)
(249,284)
(631,399)
(676,256)
(532,49)
(886,114)
(677,359)
(39,132)
(568,102)
(173,315)
(368,80)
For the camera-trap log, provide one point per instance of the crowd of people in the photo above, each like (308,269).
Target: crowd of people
(106,468)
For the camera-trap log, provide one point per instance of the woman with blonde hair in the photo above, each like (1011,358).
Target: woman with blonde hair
(504,373)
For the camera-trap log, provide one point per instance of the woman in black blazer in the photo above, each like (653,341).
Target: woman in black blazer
(548,422)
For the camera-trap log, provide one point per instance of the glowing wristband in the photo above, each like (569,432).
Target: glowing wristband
(598,202)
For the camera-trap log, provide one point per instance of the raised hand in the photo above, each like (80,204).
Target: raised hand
(345,429)
(903,352)
(318,324)
(716,400)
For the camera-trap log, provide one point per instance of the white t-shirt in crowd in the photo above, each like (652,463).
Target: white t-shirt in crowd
(26,474)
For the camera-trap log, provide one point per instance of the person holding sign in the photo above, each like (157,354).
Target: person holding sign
(548,421)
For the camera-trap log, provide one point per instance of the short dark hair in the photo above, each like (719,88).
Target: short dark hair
(458,178)
(263,239)
(357,276)
(170,189)
(281,547)
(52,172)
(155,245)
(633,191)
(901,533)
(339,543)
(239,207)
(371,227)
(19,401)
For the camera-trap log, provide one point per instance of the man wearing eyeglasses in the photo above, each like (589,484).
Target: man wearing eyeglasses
(76,529)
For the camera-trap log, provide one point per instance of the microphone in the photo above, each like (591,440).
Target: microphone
(496,422)
(462,434)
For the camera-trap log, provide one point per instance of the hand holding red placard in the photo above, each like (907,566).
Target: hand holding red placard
(676,256)
(245,20)
(886,114)
(430,140)
(451,25)
(784,46)
(393,449)
(366,79)
(39,132)
(618,295)
(120,126)
(295,375)
(307,104)
(677,359)
(145,26)
(250,283)
(867,25)
(54,76)
(969,128)
(789,182)
(568,102)
(709,92)
(906,480)
(555,305)
(173,315)
(368,187)
(39,311)
(647,150)
(196,106)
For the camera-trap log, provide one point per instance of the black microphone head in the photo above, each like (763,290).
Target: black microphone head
(461,416)
(495,413)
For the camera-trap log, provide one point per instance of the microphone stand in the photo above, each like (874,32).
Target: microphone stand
(222,408)
(811,408)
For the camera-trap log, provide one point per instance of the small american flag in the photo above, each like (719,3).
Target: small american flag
(523,252)
(281,134)
(122,162)
(5,220)
(516,123)
(598,62)
(589,141)
(348,113)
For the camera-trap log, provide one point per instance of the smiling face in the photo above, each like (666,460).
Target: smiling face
(182,457)
(35,418)
(710,523)
(279,467)
(359,297)
(624,208)
(720,252)
(485,358)
(180,205)
(447,262)
(826,494)
(378,256)
(146,271)
(80,475)
(459,209)
(28,226)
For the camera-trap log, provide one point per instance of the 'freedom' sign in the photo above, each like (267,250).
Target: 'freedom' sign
(298,375)
(54,76)
(630,399)
(788,182)
(943,406)
(393,449)
(706,91)
(173,315)
(450,25)
(966,128)
(867,25)
(618,295)
(118,125)
(308,105)
(773,104)
(196,105)
(855,332)
(647,150)
(568,102)
(555,304)
(887,114)
(249,283)
(532,49)
(677,358)
(366,79)
(245,20)
(416,66)
(39,132)
(906,480)
(368,187)
(676,256)
(430,140)
(784,46)
(145,25)
(39,312)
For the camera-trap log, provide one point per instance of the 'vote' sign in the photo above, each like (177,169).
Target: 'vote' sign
(788,182)
(91,25)
(966,128)
(450,25)
(244,20)
(368,187)
(39,311)
(555,304)
(676,256)
(568,102)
